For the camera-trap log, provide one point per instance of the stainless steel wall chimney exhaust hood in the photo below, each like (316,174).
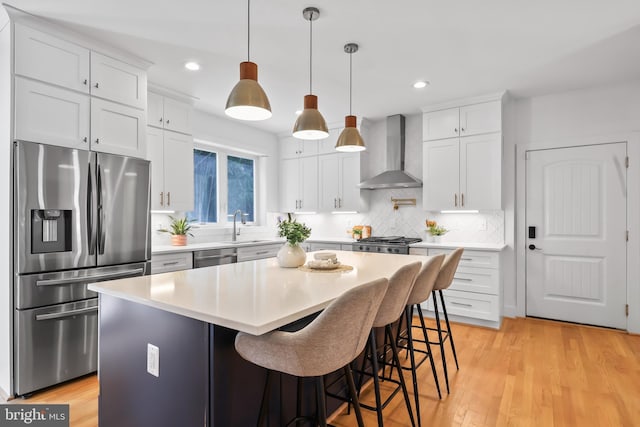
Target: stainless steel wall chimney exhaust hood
(394,176)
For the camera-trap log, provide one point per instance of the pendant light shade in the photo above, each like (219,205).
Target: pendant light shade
(350,139)
(310,124)
(247,100)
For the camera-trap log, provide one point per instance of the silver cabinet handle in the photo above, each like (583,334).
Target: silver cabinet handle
(466,259)
(84,139)
(97,85)
(85,82)
(166,264)
(335,203)
(462,199)
(461,129)
(66,313)
(455,200)
(262,252)
(167,121)
(168,198)
(463,279)
(104,276)
(97,140)
(162,198)
(200,258)
(456,130)
(160,119)
(339,202)
(460,304)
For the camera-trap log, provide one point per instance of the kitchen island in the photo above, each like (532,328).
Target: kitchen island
(166,341)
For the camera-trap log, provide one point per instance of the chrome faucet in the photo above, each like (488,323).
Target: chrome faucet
(242,220)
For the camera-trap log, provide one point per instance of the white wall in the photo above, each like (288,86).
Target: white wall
(558,120)
(6,227)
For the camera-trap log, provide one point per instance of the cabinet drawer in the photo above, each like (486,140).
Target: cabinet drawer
(171,262)
(258,252)
(471,258)
(326,246)
(418,251)
(346,247)
(468,304)
(473,279)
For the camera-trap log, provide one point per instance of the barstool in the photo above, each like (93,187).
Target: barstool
(329,343)
(444,280)
(424,283)
(391,309)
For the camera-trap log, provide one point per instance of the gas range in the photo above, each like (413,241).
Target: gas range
(391,245)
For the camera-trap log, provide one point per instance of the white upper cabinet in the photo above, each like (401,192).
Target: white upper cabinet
(43,57)
(291,148)
(339,176)
(118,81)
(168,113)
(117,129)
(50,114)
(328,145)
(467,120)
(299,184)
(462,157)
(171,186)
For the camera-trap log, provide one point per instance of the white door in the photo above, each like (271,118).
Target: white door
(349,180)
(329,182)
(289,185)
(178,172)
(117,81)
(117,129)
(576,264)
(441,124)
(481,118)
(308,184)
(441,160)
(177,116)
(481,172)
(51,115)
(155,154)
(155,110)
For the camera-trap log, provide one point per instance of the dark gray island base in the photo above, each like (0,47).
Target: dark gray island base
(202,379)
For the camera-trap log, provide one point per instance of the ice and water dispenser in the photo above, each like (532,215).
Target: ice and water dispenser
(50,230)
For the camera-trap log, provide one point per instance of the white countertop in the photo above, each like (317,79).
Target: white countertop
(496,247)
(254,296)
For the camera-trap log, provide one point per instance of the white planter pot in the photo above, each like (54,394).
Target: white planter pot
(436,239)
(291,256)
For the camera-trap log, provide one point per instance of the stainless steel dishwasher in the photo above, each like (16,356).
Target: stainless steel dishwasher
(214,257)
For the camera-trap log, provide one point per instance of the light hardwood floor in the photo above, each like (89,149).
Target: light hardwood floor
(530,373)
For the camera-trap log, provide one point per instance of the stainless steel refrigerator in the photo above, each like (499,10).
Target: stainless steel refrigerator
(79,217)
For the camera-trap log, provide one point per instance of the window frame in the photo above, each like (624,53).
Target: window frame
(222,153)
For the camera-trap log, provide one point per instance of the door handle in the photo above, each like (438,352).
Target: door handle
(168,198)
(462,199)
(66,313)
(162,198)
(91,222)
(533,247)
(101,224)
(83,279)
(455,200)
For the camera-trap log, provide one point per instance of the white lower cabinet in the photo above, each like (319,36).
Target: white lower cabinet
(164,263)
(171,156)
(253,252)
(476,290)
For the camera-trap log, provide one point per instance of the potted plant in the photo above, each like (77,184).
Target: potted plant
(291,254)
(436,231)
(179,228)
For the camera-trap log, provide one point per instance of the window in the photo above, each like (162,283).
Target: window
(223,183)
(205,177)
(240,185)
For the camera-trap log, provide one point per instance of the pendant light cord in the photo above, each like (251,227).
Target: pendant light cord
(248,30)
(350,81)
(311,53)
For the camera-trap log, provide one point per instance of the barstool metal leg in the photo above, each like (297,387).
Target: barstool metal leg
(376,380)
(396,360)
(414,375)
(321,402)
(440,340)
(446,319)
(354,395)
(426,340)
(265,399)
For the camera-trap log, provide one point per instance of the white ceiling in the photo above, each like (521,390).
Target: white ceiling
(463,47)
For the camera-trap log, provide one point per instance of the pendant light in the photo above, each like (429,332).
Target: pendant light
(310,124)
(247,100)
(350,139)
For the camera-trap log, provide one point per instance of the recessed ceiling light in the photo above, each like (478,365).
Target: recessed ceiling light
(192,66)
(420,84)
(298,112)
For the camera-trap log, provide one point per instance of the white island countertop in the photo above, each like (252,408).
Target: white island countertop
(253,296)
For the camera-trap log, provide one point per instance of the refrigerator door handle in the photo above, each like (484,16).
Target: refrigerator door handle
(101,224)
(105,276)
(66,313)
(91,226)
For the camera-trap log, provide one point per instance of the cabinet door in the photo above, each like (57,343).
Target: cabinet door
(44,57)
(177,116)
(441,164)
(117,81)
(441,124)
(328,182)
(328,145)
(117,129)
(155,154)
(290,148)
(51,115)
(480,118)
(155,108)
(481,172)
(308,184)
(349,180)
(289,185)
(178,171)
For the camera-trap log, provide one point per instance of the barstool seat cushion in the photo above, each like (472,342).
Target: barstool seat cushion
(425,280)
(331,341)
(448,269)
(395,301)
